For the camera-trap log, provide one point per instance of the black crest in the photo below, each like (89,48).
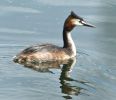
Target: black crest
(75,16)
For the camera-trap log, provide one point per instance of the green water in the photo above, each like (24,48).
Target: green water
(91,77)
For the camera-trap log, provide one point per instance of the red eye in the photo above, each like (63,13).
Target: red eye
(80,21)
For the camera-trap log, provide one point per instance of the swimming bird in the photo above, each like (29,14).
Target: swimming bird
(50,52)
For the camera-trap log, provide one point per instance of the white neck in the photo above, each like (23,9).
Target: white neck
(69,43)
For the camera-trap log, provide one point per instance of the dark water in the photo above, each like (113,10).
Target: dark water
(91,77)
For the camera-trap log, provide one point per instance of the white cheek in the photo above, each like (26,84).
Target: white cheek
(78,23)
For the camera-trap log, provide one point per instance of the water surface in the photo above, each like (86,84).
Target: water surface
(91,77)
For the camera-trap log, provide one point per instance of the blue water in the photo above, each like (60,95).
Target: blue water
(91,77)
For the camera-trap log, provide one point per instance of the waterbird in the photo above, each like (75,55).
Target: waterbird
(51,52)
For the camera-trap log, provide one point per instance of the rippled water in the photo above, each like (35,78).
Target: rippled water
(91,76)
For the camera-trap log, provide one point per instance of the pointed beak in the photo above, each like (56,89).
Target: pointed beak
(87,24)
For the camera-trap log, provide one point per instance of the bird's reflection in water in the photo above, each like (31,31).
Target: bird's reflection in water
(65,79)
(45,66)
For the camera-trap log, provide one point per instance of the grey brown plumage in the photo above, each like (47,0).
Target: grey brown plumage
(50,52)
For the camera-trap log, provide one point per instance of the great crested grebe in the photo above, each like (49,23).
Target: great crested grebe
(50,52)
